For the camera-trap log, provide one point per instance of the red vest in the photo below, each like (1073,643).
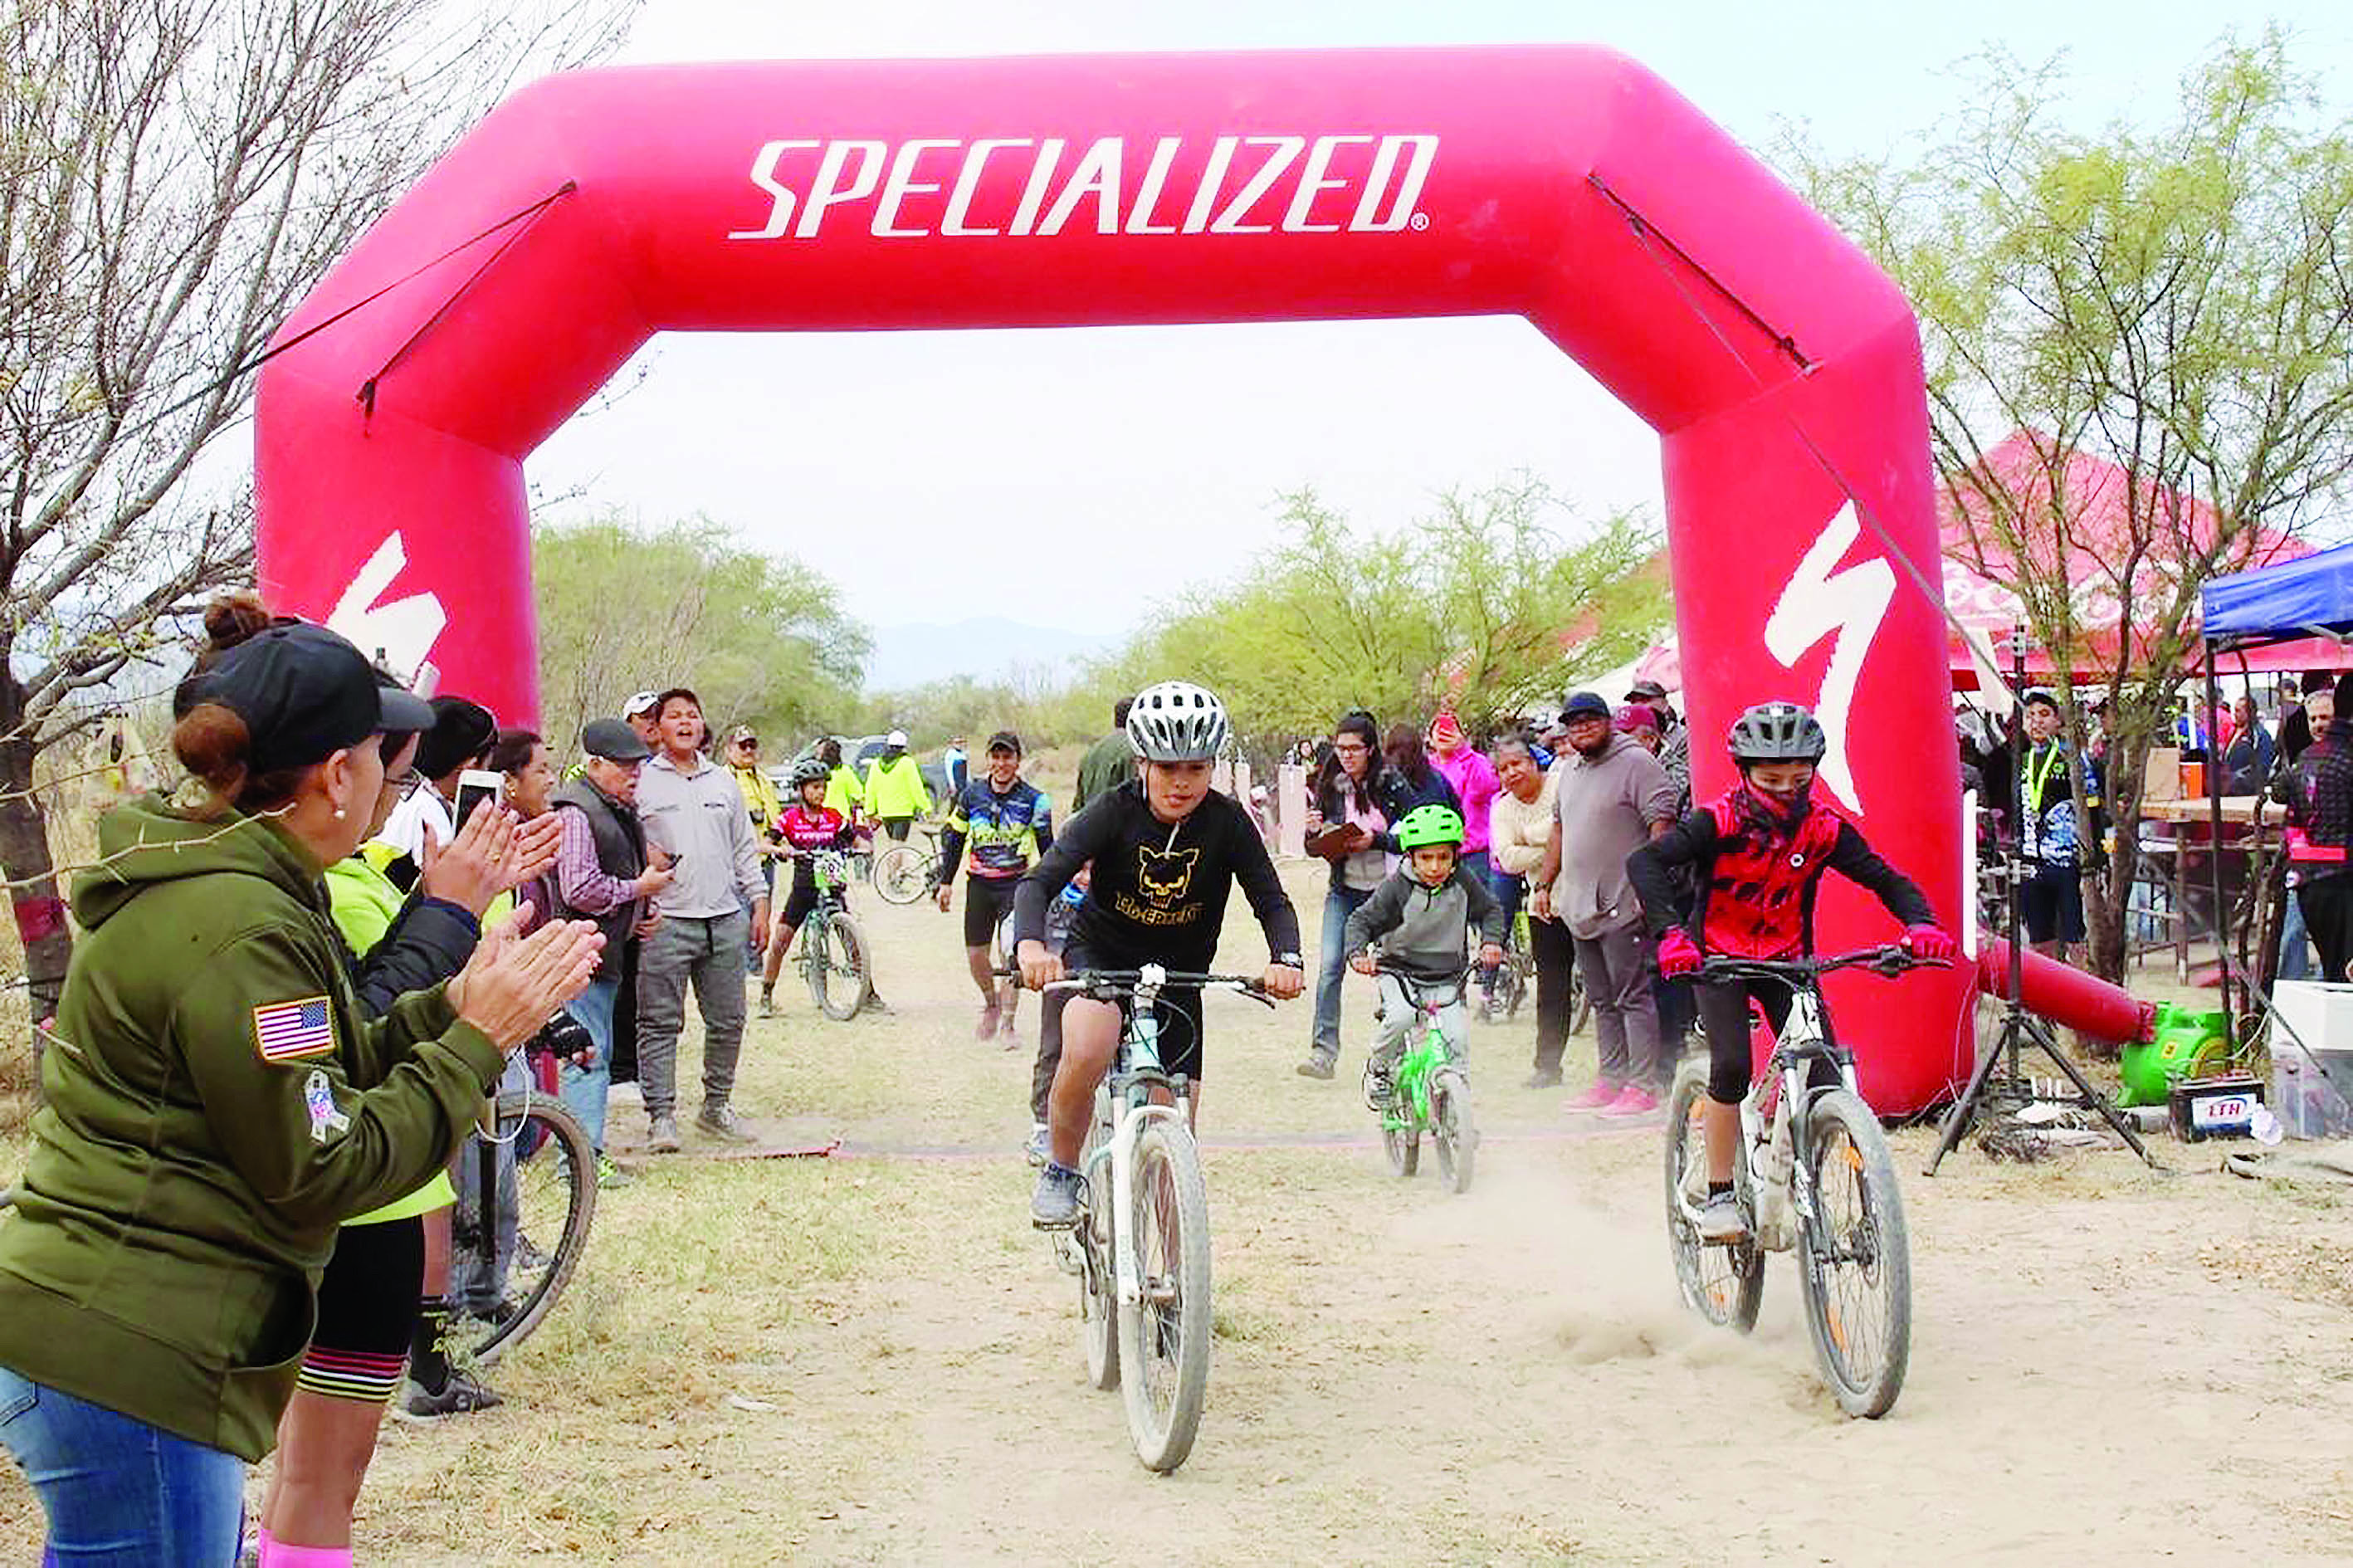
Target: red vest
(1759,893)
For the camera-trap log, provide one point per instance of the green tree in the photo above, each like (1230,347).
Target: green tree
(2175,299)
(762,639)
(1485,606)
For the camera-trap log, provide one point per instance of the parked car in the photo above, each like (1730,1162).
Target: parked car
(860,751)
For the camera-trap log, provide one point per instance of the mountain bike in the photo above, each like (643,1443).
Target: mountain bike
(521,1226)
(834,956)
(904,873)
(1813,1176)
(1428,1090)
(1515,977)
(1141,1247)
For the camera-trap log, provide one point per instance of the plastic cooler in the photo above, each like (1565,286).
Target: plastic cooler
(2312,1088)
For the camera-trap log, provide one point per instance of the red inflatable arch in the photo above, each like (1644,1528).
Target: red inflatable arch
(1780,368)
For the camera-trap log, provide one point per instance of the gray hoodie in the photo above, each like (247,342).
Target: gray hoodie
(1424,930)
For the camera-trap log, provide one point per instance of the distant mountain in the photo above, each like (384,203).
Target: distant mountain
(986,648)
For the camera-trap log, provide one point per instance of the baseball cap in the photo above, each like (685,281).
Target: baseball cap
(744,732)
(1646,692)
(305,695)
(1634,716)
(1583,704)
(614,741)
(1005,740)
(642,703)
(896,737)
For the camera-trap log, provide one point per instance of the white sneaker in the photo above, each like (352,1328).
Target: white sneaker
(1721,1222)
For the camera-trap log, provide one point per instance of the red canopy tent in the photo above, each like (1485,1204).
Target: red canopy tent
(2094,492)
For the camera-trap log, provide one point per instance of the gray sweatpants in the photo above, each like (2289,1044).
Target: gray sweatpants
(709,953)
(1615,966)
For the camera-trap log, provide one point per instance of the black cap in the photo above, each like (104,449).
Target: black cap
(2043,697)
(1646,692)
(1005,740)
(305,695)
(614,741)
(1583,705)
(462,729)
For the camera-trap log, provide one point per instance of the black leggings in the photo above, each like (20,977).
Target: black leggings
(1724,1015)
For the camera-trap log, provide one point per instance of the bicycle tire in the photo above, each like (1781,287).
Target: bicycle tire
(1723,1285)
(1453,1133)
(1403,1143)
(1098,1297)
(838,977)
(1511,987)
(900,873)
(1879,1237)
(1165,1391)
(555,1183)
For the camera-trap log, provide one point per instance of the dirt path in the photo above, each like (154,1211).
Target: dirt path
(872,1358)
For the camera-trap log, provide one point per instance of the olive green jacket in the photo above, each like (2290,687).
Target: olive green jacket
(215,1104)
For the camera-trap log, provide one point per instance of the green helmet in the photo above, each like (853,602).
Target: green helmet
(1429,825)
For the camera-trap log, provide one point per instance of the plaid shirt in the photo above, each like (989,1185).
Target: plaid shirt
(2331,819)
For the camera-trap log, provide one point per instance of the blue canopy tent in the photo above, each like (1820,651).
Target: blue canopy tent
(2311,596)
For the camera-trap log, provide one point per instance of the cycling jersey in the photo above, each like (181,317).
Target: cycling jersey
(806,830)
(1007,832)
(1158,890)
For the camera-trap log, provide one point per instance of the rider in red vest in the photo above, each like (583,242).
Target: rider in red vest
(1757,854)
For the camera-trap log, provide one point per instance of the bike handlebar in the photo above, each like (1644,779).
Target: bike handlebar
(1111,984)
(1887,963)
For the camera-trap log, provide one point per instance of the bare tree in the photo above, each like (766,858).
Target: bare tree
(175,175)
(2173,302)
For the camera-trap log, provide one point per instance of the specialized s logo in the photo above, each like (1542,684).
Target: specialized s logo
(1847,605)
(1162,877)
(1240,184)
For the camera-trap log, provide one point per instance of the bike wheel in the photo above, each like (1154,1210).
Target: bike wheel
(1511,986)
(838,977)
(1098,1295)
(551,1206)
(900,873)
(1452,1132)
(1722,1283)
(1402,1142)
(1164,1339)
(1854,1257)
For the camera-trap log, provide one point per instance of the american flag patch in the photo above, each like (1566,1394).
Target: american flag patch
(287,1030)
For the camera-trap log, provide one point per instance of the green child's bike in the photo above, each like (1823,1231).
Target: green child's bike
(1428,1091)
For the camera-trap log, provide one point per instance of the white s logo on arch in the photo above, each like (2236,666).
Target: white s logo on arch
(1847,605)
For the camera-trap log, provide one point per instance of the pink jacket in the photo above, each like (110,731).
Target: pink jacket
(1474,782)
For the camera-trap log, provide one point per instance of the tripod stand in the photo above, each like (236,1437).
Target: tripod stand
(2019,1028)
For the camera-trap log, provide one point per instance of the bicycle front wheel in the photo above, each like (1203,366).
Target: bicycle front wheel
(1452,1132)
(1855,1258)
(519,1248)
(900,873)
(1722,1283)
(1098,1296)
(838,977)
(1164,1339)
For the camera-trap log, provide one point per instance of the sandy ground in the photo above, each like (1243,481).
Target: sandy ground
(872,1358)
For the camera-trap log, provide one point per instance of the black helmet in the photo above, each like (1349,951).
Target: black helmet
(1778,732)
(810,771)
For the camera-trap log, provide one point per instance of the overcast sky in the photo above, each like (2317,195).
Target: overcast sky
(1068,478)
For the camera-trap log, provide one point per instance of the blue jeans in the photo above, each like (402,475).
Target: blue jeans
(584,1090)
(118,1490)
(2295,951)
(1331,963)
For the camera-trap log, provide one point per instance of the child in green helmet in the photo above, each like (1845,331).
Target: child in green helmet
(1422,916)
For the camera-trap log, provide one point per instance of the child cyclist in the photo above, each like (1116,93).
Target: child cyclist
(1758,853)
(1164,851)
(1422,914)
(807,826)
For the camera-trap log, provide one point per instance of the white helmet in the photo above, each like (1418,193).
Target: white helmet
(1176,721)
(897,737)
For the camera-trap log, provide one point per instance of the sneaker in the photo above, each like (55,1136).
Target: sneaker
(1542,1078)
(987,1028)
(874,1003)
(1040,1146)
(662,1138)
(609,1175)
(461,1396)
(768,1004)
(1632,1101)
(1055,1204)
(1319,1063)
(1721,1221)
(1603,1092)
(721,1122)
(1380,1084)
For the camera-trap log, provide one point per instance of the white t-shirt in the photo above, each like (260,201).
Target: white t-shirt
(420,809)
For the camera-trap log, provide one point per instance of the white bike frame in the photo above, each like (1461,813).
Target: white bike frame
(1781,1189)
(1139,1047)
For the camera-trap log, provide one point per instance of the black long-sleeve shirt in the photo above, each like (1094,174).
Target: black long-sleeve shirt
(1157,891)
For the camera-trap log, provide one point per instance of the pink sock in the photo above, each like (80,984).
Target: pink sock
(278,1554)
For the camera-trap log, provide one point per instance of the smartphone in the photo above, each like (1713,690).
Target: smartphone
(474,786)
